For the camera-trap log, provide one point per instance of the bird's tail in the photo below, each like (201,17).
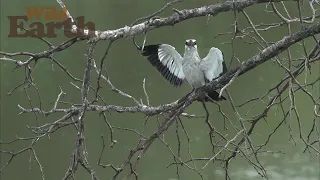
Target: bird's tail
(214,96)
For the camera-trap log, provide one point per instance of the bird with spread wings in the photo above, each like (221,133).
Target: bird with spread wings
(191,67)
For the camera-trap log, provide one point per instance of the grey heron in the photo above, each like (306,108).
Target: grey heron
(191,67)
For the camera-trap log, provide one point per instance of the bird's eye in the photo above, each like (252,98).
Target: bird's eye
(186,42)
(195,43)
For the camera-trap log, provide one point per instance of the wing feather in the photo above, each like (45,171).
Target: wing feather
(167,61)
(213,64)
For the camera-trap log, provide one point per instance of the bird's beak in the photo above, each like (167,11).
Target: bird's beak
(190,43)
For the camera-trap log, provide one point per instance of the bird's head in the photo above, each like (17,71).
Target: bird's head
(191,44)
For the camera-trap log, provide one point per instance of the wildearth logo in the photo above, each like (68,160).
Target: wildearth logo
(39,29)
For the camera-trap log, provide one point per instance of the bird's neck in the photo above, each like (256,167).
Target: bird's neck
(193,53)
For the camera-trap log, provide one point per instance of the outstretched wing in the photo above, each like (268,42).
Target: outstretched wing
(167,61)
(213,64)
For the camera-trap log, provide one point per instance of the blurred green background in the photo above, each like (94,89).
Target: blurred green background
(127,69)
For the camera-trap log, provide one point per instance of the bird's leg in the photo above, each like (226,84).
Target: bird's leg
(193,89)
(185,97)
